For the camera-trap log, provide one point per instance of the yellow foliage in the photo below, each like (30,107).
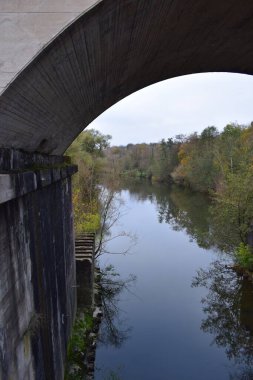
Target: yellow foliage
(86,215)
(182,152)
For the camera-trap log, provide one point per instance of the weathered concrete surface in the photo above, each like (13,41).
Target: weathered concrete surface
(112,50)
(37,273)
(27,25)
(13,161)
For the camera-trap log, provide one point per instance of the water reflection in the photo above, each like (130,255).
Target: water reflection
(190,211)
(113,330)
(177,206)
(228,305)
(228,300)
(229,313)
(112,374)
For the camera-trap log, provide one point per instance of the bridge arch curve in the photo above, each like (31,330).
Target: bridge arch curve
(113,50)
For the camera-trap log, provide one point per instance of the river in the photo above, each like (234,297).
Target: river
(186,315)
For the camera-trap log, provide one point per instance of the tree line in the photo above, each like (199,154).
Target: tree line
(213,162)
(199,161)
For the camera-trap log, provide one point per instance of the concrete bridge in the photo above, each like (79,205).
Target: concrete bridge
(52,86)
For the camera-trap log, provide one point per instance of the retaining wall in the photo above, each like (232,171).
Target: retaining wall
(37,266)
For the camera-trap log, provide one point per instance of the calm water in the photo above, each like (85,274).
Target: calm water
(186,316)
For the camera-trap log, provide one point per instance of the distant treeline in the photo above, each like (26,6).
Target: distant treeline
(199,161)
(218,163)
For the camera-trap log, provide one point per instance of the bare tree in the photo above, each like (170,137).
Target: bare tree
(111,210)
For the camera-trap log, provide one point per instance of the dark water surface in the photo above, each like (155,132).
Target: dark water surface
(178,322)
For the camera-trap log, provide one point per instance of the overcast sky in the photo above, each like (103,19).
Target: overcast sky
(179,106)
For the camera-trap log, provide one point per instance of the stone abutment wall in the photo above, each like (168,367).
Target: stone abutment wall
(37,266)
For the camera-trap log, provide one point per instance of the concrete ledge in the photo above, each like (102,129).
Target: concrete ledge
(15,185)
(16,160)
(7,190)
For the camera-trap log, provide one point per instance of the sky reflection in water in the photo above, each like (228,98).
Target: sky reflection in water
(189,316)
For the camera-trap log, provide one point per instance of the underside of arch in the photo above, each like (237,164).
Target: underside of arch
(113,50)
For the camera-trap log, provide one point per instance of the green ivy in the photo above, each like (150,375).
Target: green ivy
(78,344)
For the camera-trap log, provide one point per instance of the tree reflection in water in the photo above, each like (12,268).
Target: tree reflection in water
(113,330)
(228,307)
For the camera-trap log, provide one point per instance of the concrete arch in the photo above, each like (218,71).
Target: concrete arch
(113,50)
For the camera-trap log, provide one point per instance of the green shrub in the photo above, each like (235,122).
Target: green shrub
(244,256)
(75,368)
